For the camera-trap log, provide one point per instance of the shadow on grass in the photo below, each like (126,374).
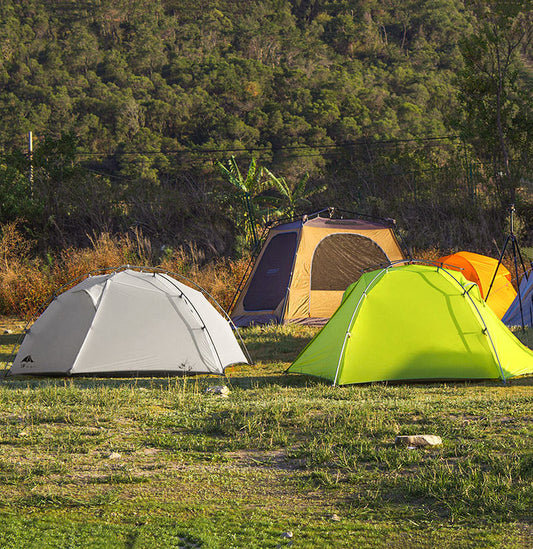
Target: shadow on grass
(281,380)
(526,381)
(246,382)
(6,357)
(9,343)
(201,383)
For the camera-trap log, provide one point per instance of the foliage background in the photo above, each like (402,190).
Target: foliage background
(132,106)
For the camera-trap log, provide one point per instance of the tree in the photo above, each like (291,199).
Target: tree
(16,200)
(498,113)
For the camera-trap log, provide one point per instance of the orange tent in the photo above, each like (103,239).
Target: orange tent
(480,269)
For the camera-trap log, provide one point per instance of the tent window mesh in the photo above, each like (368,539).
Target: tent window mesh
(339,259)
(271,277)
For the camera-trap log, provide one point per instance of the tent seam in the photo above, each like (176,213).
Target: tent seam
(486,329)
(352,320)
(87,335)
(211,343)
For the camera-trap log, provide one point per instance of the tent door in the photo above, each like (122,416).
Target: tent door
(338,261)
(270,280)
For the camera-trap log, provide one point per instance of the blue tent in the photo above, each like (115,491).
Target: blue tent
(513,317)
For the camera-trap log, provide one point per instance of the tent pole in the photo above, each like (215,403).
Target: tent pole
(241,284)
(485,327)
(214,349)
(350,324)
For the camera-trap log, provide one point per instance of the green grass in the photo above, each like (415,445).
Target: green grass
(140,463)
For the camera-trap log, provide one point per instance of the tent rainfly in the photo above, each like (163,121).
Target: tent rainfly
(305,266)
(128,322)
(413,322)
(481,269)
(513,316)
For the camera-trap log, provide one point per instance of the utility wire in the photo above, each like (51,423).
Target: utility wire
(389,174)
(350,144)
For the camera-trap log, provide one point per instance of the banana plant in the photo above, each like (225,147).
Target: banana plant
(292,196)
(248,185)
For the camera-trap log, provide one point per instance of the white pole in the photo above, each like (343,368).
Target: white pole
(30,157)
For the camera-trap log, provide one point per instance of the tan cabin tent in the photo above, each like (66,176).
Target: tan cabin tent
(305,266)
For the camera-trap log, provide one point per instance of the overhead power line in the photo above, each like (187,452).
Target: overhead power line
(347,145)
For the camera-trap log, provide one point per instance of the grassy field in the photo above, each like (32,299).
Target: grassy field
(284,461)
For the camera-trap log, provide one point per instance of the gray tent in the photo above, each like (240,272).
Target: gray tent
(128,322)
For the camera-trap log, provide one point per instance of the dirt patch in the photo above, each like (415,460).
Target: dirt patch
(268,459)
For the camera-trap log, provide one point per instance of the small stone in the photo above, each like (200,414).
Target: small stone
(417,440)
(114,455)
(222,390)
(286,535)
(335,518)
(24,433)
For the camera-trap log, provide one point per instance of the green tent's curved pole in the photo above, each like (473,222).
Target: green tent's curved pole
(466,293)
(347,335)
(485,329)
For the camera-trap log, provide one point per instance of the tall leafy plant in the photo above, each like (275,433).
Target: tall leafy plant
(248,185)
(293,195)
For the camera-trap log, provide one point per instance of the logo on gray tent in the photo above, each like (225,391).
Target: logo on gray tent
(26,362)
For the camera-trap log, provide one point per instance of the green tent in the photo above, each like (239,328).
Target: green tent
(413,322)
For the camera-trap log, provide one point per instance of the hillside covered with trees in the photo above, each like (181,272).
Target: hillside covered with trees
(419,110)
